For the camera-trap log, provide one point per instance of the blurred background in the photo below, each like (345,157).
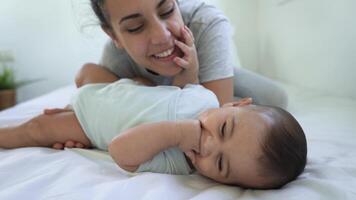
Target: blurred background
(307,43)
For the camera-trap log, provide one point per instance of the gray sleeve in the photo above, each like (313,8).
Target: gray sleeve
(215,51)
(170,161)
(262,90)
(117,61)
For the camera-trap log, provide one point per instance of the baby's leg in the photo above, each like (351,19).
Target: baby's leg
(44,131)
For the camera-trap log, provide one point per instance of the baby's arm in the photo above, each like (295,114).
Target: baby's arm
(141,143)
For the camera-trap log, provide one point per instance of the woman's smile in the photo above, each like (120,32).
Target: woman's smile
(168,55)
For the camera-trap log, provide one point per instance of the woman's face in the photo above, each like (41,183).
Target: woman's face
(146,29)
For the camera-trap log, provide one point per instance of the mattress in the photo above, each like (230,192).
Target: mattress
(42,173)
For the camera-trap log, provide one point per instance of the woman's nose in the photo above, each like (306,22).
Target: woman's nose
(160,34)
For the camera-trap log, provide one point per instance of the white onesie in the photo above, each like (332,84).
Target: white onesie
(106,110)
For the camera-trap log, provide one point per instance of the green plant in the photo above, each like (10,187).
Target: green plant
(7,80)
(7,76)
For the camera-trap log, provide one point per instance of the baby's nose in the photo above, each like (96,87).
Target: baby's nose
(208,146)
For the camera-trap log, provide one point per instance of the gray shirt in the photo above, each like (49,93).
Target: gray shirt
(213,41)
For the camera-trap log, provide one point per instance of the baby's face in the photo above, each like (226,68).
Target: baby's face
(230,145)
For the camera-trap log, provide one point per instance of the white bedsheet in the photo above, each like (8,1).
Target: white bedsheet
(41,173)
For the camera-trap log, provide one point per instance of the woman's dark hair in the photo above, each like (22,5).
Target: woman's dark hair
(284,148)
(98,7)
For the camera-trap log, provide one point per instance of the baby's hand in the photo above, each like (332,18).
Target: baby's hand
(190,133)
(189,62)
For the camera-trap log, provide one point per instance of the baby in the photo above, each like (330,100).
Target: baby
(167,129)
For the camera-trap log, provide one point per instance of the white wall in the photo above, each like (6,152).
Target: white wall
(46,39)
(311,43)
(243,14)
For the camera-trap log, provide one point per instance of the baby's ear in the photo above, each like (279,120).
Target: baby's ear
(242,102)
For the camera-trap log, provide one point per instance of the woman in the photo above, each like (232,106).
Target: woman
(143,35)
(171,42)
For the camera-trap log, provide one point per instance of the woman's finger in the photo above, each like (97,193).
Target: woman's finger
(181,62)
(58,146)
(69,144)
(183,47)
(79,145)
(50,111)
(55,111)
(187,37)
(190,33)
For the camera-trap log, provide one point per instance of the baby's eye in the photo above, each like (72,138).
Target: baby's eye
(220,163)
(223,129)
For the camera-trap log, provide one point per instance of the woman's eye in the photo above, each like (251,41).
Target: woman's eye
(133,30)
(223,129)
(166,14)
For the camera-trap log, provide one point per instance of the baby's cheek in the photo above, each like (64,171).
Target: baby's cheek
(203,167)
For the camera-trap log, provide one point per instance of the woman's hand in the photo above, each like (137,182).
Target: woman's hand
(52,111)
(189,62)
(69,143)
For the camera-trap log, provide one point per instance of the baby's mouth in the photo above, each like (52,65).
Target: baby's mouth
(190,159)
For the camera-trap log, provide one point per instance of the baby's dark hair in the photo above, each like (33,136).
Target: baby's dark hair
(284,148)
(98,7)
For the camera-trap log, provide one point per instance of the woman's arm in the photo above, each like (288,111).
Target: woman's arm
(223,89)
(141,143)
(93,73)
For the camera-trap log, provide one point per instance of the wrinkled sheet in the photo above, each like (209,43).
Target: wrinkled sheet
(41,173)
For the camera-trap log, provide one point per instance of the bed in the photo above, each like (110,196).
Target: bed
(43,173)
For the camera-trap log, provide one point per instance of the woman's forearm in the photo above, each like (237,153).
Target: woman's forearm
(92,73)
(223,89)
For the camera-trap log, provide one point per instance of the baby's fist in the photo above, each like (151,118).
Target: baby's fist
(190,132)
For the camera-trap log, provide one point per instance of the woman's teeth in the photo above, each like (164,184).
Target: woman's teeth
(165,53)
